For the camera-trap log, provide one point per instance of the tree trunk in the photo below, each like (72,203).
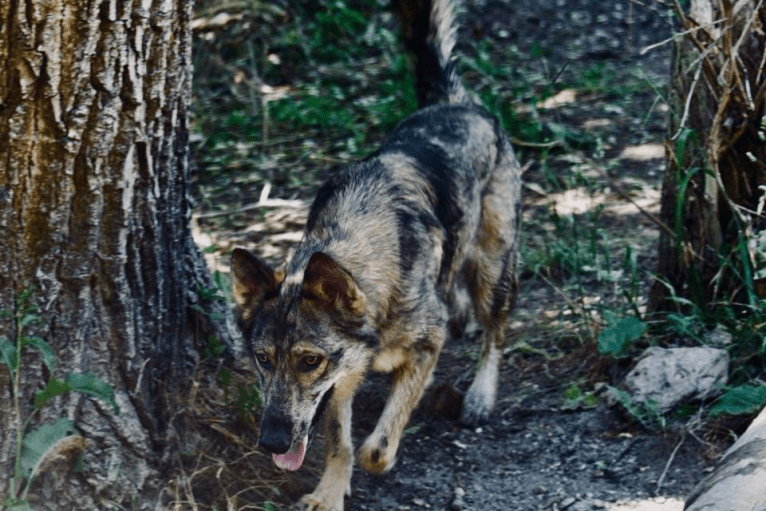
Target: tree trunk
(94,225)
(711,200)
(737,484)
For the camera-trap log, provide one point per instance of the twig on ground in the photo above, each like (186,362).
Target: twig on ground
(558,290)
(536,145)
(263,202)
(669,462)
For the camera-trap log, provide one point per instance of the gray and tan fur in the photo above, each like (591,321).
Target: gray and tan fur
(398,249)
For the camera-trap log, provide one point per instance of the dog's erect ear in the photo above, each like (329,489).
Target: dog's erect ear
(252,281)
(332,286)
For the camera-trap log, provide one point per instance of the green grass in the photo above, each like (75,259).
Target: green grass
(329,72)
(334,72)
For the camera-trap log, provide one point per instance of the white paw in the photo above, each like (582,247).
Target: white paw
(478,404)
(320,502)
(480,399)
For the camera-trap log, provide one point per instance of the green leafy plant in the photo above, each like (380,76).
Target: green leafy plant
(243,400)
(248,400)
(741,400)
(616,338)
(646,413)
(34,447)
(575,398)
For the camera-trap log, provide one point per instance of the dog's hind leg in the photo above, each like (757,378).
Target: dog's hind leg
(491,278)
(378,453)
(339,458)
(481,397)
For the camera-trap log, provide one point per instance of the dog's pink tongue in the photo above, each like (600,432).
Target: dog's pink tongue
(292,460)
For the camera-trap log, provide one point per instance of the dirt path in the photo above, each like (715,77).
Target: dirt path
(541,451)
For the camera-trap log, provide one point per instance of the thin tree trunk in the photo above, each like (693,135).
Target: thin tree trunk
(94,222)
(715,157)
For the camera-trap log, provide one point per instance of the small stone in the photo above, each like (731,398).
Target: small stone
(567,502)
(719,337)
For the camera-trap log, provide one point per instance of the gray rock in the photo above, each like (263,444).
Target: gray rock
(671,376)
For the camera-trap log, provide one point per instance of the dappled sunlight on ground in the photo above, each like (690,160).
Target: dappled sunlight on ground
(564,97)
(643,152)
(578,201)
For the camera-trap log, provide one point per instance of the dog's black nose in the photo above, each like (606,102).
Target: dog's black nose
(276,434)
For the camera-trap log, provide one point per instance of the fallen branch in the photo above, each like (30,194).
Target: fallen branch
(737,484)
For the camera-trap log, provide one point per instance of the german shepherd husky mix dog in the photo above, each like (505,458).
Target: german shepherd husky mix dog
(398,249)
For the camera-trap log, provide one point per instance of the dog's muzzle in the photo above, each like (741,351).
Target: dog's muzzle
(276,434)
(277,438)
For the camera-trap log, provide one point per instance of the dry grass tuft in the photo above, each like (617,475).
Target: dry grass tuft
(222,467)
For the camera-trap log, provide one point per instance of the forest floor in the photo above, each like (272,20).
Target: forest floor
(586,107)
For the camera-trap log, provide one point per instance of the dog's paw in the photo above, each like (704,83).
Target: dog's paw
(320,501)
(377,455)
(333,486)
(478,404)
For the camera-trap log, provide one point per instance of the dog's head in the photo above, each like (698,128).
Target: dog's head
(306,332)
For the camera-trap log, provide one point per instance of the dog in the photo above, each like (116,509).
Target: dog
(398,250)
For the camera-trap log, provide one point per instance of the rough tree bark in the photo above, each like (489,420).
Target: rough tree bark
(94,222)
(711,196)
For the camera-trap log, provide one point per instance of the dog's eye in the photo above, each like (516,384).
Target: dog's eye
(263,360)
(310,362)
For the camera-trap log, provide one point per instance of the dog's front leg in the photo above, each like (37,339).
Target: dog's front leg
(339,458)
(378,453)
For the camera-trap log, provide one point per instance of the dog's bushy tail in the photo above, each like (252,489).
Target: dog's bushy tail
(429,31)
